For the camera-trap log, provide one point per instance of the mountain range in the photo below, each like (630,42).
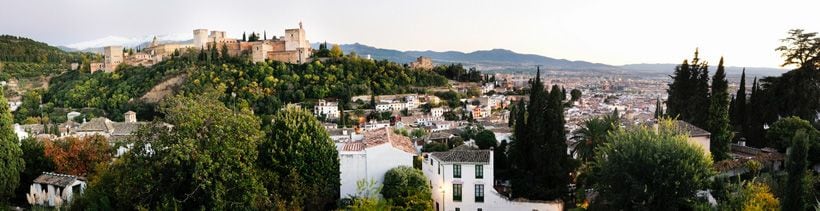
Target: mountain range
(485,60)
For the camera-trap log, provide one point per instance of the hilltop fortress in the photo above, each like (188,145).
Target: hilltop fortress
(293,47)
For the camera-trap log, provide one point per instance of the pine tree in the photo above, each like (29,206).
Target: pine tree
(11,161)
(719,115)
(678,90)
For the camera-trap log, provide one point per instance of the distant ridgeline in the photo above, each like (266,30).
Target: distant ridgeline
(22,57)
(263,87)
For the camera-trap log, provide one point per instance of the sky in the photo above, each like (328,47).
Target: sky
(612,32)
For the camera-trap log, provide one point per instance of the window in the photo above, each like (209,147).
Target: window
(439,168)
(456,192)
(479,193)
(458,209)
(479,171)
(456,171)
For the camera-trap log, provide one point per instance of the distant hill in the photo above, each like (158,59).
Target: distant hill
(731,71)
(127,42)
(502,59)
(495,59)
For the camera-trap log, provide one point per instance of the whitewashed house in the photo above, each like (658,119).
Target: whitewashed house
(462,179)
(437,112)
(55,190)
(371,157)
(329,110)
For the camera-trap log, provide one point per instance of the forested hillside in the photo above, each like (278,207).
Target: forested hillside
(263,87)
(22,58)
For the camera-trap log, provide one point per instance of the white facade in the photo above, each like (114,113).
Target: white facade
(329,109)
(437,112)
(445,182)
(372,157)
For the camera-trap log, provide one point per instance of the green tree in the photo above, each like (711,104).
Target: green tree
(298,156)
(739,112)
(202,162)
(576,95)
(485,139)
(407,188)
(781,133)
(592,134)
(36,164)
(336,51)
(643,168)
(800,48)
(796,165)
(538,155)
(719,115)
(689,92)
(11,161)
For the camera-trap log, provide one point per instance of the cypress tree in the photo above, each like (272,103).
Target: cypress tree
(678,89)
(11,161)
(719,115)
(739,114)
(689,92)
(796,167)
(243,37)
(538,154)
(754,122)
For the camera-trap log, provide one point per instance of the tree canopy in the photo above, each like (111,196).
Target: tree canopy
(407,188)
(11,161)
(641,168)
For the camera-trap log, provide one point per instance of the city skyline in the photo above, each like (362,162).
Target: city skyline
(614,33)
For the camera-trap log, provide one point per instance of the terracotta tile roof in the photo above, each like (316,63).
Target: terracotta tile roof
(60,180)
(97,124)
(690,129)
(464,154)
(381,136)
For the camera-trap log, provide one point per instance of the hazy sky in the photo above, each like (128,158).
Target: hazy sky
(612,32)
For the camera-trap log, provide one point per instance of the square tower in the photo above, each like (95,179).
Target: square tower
(113,57)
(200,38)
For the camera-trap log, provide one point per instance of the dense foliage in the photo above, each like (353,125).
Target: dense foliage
(22,58)
(36,164)
(718,121)
(457,72)
(298,162)
(538,159)
(592,134)
(11,161)
(78,156)
(202,162)
(640,168)
(689,92)
(407,188)
(796,165)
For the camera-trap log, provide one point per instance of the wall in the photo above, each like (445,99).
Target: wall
(371,163)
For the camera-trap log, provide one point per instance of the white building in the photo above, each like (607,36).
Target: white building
(328,109)
(462,179)
(437,112)
(370,158)
(411,102)
(54,190)
(389,105)
(374,125)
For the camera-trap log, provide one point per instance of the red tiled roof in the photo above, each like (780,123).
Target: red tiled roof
(379,137)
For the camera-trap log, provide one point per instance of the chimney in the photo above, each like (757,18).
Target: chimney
(130,117)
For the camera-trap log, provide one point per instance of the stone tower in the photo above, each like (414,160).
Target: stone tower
(113,57)
(200,38)
(130,116)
